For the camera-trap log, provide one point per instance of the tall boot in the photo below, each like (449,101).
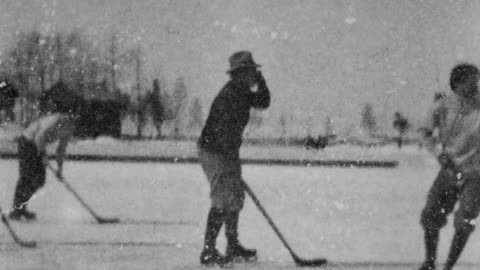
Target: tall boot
(21,197)
(458,244)
(210,254)
(431,243)
(234,249)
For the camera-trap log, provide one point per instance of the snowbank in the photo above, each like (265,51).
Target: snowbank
(111,147)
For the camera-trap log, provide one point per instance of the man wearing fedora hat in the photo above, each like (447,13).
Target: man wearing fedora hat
(219,146)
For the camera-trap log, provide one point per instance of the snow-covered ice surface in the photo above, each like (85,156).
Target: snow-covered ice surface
(358,218)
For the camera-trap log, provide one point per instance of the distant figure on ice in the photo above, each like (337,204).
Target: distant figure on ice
(400,123)
(218,150)
(58,125)
(316,143)
(458,121)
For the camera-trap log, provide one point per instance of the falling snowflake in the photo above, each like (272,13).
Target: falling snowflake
(256,32)
(350,20)
(340,206)
(73,51)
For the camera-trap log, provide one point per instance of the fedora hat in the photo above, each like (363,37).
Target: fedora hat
(241,59)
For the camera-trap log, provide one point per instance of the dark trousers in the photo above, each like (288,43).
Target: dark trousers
(443,196)
(32,172)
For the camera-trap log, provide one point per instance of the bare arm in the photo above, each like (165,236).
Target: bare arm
(66,134)
(61,150)
(430,130)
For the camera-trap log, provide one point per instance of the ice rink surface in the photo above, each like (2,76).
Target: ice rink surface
(358,218)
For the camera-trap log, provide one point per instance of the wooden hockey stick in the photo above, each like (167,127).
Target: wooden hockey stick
(23,243)
(298,261)
(99,219)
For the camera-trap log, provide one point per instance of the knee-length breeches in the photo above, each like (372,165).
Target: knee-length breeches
(443,196)
(225,177)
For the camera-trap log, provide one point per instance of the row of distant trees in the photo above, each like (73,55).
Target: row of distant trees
(36,61)
(369,122)
(162,107)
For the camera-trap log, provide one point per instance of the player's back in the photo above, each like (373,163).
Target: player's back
(48,129)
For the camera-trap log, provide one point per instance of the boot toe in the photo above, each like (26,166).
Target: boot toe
(240,253)
(214,258)
(427,266)
(18,214)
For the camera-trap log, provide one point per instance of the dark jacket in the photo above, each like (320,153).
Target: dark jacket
(229,115)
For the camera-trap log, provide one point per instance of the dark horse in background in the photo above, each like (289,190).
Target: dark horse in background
(98,117)
(8,94)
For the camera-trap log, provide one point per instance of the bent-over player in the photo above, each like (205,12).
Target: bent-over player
(32,143)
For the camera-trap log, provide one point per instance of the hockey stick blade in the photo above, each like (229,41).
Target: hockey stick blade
(27,244)
(309,263)
(99,219)
(20,242)
(298,261)
(102,220)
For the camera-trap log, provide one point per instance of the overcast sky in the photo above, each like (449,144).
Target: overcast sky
(319,57)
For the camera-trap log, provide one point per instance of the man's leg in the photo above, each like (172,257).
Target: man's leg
(459,241)
(24,191)
(440,202)
(32,178)
(234,248)
(212,167)
(234,195)
(431,243)
(464,220)
(210,254)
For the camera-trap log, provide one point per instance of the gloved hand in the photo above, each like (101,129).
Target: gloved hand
(45,160)
(260,78)
(447,163)
(59,175)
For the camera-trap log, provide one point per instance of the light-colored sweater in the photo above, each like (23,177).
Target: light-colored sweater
(452,126)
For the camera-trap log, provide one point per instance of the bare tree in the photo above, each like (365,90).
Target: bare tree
(283,125)
(179,98)
(157,107)
(113,61)
(35,62)
(369,122)
(401,124)
(196,114)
